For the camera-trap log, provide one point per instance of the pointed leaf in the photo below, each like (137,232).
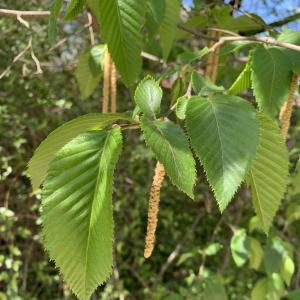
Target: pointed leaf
(170,145)
(202,85)
(155,16)
(271,77)
(168,27)
(224,135)
(148,96)
(38,165)
(77,209)
(243,81)
(269,172)
(121,22)
(181,107)
(240,247)
(54,13)
(75,8)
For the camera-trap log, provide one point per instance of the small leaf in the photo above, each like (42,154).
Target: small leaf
(269,172)
(74,9)
(188,57)
(287,269)
(240,247)
(38,164)
(271,78)
(256,254)
(181,106)
(214,290)
(168,27)
(202,85)
(243,81)
(77,209)
(212,249)
(54,13)
(170,145)
(89,70)
(260,289)
(148,96)
(224,135)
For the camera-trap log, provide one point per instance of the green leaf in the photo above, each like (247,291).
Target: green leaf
(38,165)
(287,269)
(121,22)
(268,288)
(203,86)
(274,255)
(148,96)
(240,247)
(243,81)
(271,78)
(168,27)
(296,179)
(214,290)
(89,70)
(224,135)
(75,8)
(77,209)
(188,57)
(269,172)
(294,295)
(260,290)
(181,106)
(256,254)
(54,13)
(212,249)
(170,145)
(293,37)
(155,16)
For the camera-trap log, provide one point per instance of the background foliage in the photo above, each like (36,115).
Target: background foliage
(226,255)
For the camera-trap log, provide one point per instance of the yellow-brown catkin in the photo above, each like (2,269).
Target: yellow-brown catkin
(106,81)
(153,208)
(113,88)
(286,110)
(211,69)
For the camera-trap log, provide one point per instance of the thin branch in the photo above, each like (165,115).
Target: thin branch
(264,40)
(197,33)
(24,14)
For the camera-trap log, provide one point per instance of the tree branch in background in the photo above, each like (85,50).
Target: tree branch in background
(24,14)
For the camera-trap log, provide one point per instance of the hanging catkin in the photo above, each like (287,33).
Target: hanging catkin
(106,81)
(286,110)
(212,60)
(113,88)
(153,208)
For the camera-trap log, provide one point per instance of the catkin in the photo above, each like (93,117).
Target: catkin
(113,88)
(213,61)
(286,110)
(106,80)
(153,208)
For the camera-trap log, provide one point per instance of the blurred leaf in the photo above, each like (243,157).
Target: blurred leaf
(54,13)
(287,269)
(213,249)
(188,57)
(74,9)
(260,290)
(168,27)
(214,290)
(155,16)
(240,247)
(202,85)
(273,258)
(256,254)
(294,295)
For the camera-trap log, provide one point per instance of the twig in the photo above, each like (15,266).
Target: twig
(24,14)
(90,22)
(178,248)
(264,40)
(196,33)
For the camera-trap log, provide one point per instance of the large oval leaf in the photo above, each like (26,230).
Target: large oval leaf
(38,165)
(77,209)
(224,134)
(271,78)
(170,145)
(269,172)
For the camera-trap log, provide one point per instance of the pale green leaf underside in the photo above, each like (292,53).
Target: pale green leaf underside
(77,209)
(271,77)
(170,145)
(243,81)
(224,135)
(168,27)
(148,96)
(269,172)
(121,22)
(38,165)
